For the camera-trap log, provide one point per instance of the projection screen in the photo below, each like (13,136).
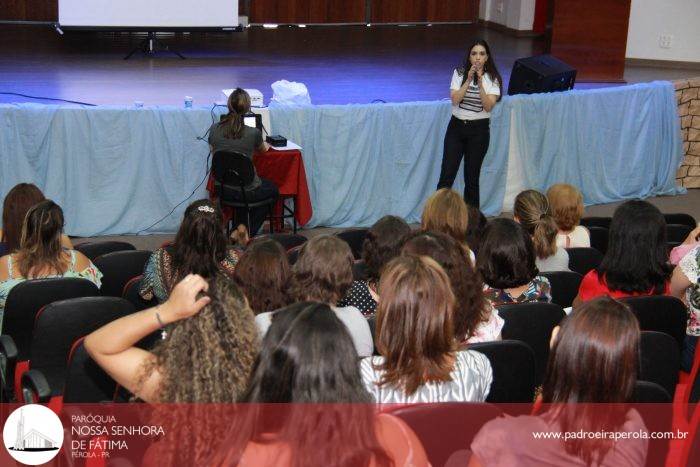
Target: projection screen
(148,13)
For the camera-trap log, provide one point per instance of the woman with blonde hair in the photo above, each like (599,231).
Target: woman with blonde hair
(531,210)
(419,358)
(446,212)
(566,204)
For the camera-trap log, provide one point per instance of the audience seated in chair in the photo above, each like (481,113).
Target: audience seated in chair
(381,245)
(685,284)
(200,247)
(308,362)
(263,273)
(566,203)
(475,318)
(593,360)
(531,210)
(445,211)
(690,242)
(636,262)
(206,352)
(323,273)
(419,358)
(14,209)
(41,253)
(506,261)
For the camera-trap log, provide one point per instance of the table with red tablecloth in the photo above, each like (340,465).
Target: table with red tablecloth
(286,170)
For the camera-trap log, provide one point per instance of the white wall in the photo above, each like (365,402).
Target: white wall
(651,18)
(515,14)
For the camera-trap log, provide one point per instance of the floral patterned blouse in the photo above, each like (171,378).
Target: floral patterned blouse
(538,290)
(90,273)
(690,265)
(159,273)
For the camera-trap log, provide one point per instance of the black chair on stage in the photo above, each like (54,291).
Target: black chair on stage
(513,365)
(676,234)
(355,238)
(565,285)
(57,328)
(118,268)
(94,250)
(459,423)
(232,172)
(682,219)
(599,238)
(660,360)
(582,260)
(532,323)
(288,241)
(131,293)
(596,222)
(23,304)
(660,313)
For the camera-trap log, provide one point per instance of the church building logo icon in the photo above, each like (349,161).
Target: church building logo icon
(33,434)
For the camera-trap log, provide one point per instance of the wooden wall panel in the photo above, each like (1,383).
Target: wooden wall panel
(398,11)
(452,10)
(592,38)
(307,11)
(29,10)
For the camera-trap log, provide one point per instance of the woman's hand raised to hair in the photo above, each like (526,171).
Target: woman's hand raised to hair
(183,301)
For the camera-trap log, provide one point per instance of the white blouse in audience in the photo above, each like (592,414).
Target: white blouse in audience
(559,261)
(577,238)
(350,316)
(471,381)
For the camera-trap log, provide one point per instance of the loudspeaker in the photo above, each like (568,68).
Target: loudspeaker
(543,73)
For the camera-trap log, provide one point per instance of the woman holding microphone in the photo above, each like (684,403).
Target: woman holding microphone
(474,91)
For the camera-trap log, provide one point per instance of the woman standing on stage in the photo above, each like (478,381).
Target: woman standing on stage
(474,91)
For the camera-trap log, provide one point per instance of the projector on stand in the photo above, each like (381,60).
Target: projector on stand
(256,97)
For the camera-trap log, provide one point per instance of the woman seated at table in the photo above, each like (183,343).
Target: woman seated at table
(232,135)
(41,254)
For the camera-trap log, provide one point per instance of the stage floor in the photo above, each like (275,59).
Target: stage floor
(339,64)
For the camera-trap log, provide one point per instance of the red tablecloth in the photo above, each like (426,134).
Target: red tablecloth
(286,170)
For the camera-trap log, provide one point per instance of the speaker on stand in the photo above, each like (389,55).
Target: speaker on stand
(542,73)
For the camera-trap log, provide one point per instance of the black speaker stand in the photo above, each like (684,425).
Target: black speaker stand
(150,45)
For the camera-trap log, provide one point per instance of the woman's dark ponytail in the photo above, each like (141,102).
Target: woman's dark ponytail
(238,105)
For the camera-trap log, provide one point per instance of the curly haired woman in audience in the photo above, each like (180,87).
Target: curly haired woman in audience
(14,209)
(593,360)
(507,264)
(531,210)
(206,354)
(566,203)
(41,254)
(323,273)
(200,247)
(445,211)
(475,319)
(264,273)
(381,245)
(636,262)
(419,359)
(306,381)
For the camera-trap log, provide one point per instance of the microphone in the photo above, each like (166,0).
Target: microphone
(475,79)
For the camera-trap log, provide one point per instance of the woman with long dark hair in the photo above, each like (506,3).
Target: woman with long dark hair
(593,360)
(307,361)
(200,247)
(636,262)
(232,135)
(41,253)
(475,89)
(17,202)
(475,319)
